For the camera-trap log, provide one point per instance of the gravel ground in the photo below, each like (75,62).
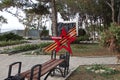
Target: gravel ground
(29,60)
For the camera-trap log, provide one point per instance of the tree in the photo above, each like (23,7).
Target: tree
(119,16)
(5,4)
(52,5)
(35,15)
(88,9)
(118,7)
(17,4)
(27,23)
(2,21)
(29,8)
(29,3)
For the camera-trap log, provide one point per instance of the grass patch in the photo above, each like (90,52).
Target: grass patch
(96,72)
(88,50)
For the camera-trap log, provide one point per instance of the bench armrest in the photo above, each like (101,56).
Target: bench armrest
(38,66)
(11,65)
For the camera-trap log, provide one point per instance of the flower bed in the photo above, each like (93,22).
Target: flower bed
(96,72)
(101,69)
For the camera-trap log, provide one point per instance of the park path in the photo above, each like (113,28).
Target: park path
(29,60)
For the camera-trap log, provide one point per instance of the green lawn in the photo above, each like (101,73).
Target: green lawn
(88,50)
(77,49)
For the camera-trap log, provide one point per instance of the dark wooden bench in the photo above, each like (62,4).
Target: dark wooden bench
(41,69)
(47,68)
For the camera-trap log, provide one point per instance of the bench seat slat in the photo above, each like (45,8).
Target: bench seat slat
(44,71)
(43,67)
(52,66)
(46,67)
(29,71)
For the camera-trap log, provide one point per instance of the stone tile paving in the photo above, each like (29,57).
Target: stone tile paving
(28,61)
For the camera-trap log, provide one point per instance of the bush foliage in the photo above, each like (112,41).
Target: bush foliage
(10,36)
(8,43)
(26,47)
(81,32)
(81,38)
(114,30)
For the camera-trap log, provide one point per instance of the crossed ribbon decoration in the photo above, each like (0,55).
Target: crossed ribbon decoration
(63,41)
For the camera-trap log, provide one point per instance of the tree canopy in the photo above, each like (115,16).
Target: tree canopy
(105,10)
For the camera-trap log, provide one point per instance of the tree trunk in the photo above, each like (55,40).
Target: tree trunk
(26,31)
(54,19)
(38,28)
(119,16)
(113,11)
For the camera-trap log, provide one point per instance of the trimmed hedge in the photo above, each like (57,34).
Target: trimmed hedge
(10,36)
(8,43)
(26,47)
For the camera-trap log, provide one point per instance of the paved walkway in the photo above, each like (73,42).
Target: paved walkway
(28,61)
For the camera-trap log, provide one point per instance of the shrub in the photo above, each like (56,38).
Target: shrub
(10,36)
(81,32)
(105,36)
(114,30)
(44,32)
(27,47)
(7,43)
(81,38)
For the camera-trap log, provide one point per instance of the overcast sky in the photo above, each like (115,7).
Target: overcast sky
(13,22)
